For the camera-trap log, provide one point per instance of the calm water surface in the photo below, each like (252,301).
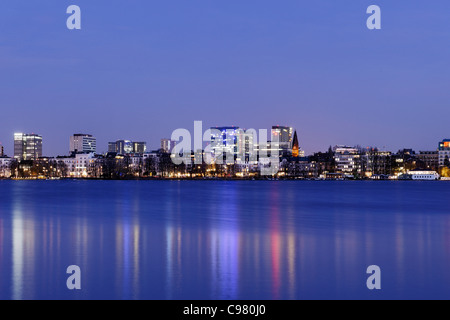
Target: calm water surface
(224,239)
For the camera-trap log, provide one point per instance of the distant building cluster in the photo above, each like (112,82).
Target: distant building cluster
(127,147)
(128,159)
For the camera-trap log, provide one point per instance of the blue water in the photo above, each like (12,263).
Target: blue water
(224,239)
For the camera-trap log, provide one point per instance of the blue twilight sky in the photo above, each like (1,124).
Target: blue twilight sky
(139,69)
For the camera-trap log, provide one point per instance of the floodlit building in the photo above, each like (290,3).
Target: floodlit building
(78,164)
(295,146)
(27,146)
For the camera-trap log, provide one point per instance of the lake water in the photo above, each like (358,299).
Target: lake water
(224,239)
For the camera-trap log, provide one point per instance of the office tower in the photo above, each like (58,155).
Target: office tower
(139,147)
(124,146)
(167,145)
(1,151)
(247,148)
(225,140)
(127,147)
(83,143)
(27,146)
(111,147)
(284,135)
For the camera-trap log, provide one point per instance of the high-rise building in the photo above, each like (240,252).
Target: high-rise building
(83,143)
(139,147)
(167,145)
(285,136)
(225,141)
(111,147)
(124,146)
(27,146)
(444,152)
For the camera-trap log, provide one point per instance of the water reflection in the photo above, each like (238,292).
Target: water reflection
(238,240)
(275,239)
(18,252)
(225,247)
(127,249)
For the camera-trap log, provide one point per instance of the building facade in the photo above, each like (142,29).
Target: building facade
(430,159)
(139,147)
(444,153)
(167,145)
(27,146)
(5,167)
(376,163)
(84,143)
(285,137)
(127,147)
(78,165)
(225,144)
(347,160)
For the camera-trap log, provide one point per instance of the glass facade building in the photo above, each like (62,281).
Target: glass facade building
(139,147)
(224,144)
(285,136)
(127,147)
(27,146)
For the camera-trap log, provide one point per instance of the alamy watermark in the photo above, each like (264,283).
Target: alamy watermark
(74,20)
(374,280)
(74,280)
(227,146)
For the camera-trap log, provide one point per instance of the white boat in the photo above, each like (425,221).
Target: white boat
(423,175)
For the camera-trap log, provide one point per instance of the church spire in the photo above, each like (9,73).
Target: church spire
(295,146)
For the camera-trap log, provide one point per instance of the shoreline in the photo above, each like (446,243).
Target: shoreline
(210,179)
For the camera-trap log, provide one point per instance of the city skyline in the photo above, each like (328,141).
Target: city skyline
(145,147)
(161,66)
(233,153)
